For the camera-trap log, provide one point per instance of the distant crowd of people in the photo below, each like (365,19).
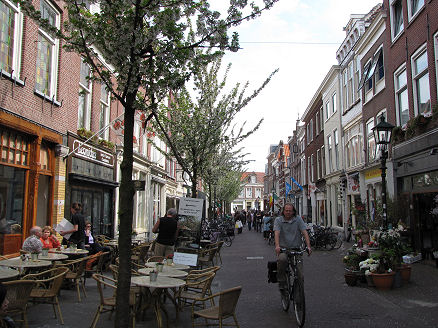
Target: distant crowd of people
(257,220)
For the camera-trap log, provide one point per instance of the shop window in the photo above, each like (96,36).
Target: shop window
(14,148)
(12,191)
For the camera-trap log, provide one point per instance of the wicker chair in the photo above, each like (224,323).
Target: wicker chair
(155,259)
(18,293)
(225,309)
(206,256)
(48,284)
(108,304)
(209,269)
(76,270)
(140,253)
(99,266)
(195,290)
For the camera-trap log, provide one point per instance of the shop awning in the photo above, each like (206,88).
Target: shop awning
(79,177)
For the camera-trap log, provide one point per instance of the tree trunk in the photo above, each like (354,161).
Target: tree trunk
(126,196)
(210,207)
(194,184)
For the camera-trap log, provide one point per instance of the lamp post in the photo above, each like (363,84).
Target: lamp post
(382,134)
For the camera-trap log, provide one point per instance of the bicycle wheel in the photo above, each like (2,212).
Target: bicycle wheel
(285,295)
(227,240)
(299,302)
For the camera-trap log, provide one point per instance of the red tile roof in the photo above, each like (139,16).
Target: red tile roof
(260,176)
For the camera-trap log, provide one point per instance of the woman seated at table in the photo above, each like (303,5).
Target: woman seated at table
(48,239)
(91,245)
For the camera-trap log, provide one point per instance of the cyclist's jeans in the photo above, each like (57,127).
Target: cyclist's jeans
(282,265)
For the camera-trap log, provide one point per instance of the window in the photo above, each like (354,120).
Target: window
(323,161)
(104,110)
(327,110)
(356,92)
(10,37)
(321,121)
(84,107)
(318,164)
(371,144)
(309,173)
(353,146)
(336,142)
(334,103)
(396,17)
(421,83)
(414,7)
(350,87)
(401,96)
(14,148)
(258,192)
(253,179)
(249,192)
(136,139)
(317,124)
(329,150)
(373,75)
(380,70)
(344,89)
(312,168)
(47,53)
(307,134)
(311,129)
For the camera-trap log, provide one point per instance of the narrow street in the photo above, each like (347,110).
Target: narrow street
(329,301)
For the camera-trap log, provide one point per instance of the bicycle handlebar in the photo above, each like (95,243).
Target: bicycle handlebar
(294,251)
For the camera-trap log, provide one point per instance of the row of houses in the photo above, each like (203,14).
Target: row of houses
(329,167)
(48,107)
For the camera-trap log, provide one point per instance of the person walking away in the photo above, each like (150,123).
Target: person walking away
(249,220)
(288,229)
(78,221)
(33,244)
(167,229)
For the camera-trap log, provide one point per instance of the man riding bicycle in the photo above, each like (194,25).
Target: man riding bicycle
(289,228)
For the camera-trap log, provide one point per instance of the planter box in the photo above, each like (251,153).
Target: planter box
(411,258)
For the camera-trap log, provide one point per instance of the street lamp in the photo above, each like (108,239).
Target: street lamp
(382,135)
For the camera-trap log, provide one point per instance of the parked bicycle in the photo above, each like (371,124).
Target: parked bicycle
(294,290)
(322,237)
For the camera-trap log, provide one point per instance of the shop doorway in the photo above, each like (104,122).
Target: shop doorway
(425,206)
(96,208)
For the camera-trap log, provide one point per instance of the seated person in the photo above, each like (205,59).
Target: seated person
(33,244)
(48,239)
(90,243)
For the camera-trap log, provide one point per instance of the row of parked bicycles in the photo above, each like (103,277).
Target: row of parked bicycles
(324,237)
(219,229)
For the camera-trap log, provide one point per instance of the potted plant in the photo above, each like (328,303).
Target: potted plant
(352,270)
(169,259)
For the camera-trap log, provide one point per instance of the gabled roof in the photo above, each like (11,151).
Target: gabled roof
(260,176)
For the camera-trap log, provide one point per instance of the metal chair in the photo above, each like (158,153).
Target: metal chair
(18,293)
(108,304)
(48,284)
(225,309)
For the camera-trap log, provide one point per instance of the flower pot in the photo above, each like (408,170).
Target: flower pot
(34,256)
(369,279)
(45,252)
(169,261)
(383,281)
(153,276)
(160,267)
(350,277)
(405,271)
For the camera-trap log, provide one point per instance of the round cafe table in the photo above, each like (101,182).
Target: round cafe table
(53,257)
(160,286)
(167,272)
(17,263)
(173,266)
(8,273)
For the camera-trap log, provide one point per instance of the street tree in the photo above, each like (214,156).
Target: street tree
(200,121)
(141,49)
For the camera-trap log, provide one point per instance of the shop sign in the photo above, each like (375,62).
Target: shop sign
(92,154)
(373,173)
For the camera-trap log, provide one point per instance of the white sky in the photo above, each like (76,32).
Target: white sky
(302,67)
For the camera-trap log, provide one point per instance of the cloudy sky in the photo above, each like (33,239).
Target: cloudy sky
(300,37)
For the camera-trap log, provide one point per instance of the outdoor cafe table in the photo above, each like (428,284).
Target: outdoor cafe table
(17,263)
(173,266)
(8,273)
(53,257)
(69,251)
(168,271)
(160,285)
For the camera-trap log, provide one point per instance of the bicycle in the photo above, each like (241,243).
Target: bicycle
(294,287)
(270,237)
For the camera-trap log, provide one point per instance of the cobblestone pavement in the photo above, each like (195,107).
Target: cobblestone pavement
(329,301)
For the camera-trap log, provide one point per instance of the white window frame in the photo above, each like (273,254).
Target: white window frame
(18,35)
(323,164)
(321,119)
(311,129)
(317,123)
(370,137)
(336,147)
(86,119)
(318,164)
(412,15)
(415,76)
(105,107)
(334,104)
(329,153)
(398,91)
(312,167)
(248,192)
(327,110)
(392,17)
(379,83)
(55,54)
(345,89)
